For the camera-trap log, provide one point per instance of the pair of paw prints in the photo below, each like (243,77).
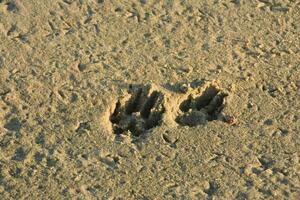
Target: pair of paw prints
(144,107)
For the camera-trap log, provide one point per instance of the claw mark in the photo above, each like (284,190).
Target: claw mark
(185,105)
(206,97)
(149,104)
(115,117)
(134,102)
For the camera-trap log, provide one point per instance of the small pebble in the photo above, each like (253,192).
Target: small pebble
(184,88)
(230,120)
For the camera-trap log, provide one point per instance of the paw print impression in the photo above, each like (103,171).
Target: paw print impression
(202,105)
(141,110)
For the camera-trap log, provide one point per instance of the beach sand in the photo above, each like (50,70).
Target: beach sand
(149,99)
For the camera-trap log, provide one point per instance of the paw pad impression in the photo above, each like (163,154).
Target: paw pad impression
(139,112)
(206,104)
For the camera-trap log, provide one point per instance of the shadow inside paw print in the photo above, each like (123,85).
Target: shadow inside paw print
(141,112)
(201,108)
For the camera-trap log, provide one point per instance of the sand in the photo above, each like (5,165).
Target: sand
(149,99)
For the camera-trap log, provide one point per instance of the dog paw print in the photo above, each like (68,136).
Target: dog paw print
(139,112)
(201,106)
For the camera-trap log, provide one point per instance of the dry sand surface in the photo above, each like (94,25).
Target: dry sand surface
(149,99)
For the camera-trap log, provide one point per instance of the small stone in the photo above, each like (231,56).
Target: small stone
(230,120)
(170,137)
(284,132)
(261,4)
(81,67)
(185,69)
(250,105)
(184,88)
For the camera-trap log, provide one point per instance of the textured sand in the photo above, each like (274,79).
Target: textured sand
(107,99)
